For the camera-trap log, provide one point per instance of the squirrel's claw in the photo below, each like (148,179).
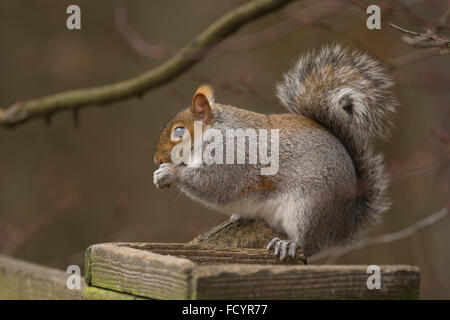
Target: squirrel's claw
(282,247)
(277,247)
(238,218)
(292,249)
(272,242)
(235,217)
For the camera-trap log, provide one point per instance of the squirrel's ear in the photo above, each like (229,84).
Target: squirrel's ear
(202,102)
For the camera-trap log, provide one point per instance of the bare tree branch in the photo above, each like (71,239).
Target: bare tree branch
(423,40)
(308,17)
(431,43)
(180,62)
(334,255)
(134,40)
(420,168)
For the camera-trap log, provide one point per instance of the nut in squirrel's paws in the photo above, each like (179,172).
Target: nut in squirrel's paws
(283,247)
(163,176)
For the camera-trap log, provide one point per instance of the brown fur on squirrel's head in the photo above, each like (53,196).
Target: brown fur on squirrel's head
(183,122)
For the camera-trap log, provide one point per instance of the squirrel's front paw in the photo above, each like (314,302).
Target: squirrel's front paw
(283,247)
(164,176)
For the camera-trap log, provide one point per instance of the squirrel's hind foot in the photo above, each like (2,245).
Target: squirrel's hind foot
(283,247)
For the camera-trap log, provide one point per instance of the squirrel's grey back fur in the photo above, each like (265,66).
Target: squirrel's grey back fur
(349,94)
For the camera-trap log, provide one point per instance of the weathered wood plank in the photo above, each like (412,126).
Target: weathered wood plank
(25,280)
(201,254)
(139,272)
(162,270)
(167,271)
(94,293)
(302,282)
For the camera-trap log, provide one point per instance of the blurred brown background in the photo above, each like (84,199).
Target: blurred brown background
(64,187)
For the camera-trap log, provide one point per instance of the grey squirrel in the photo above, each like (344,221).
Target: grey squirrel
(329,182)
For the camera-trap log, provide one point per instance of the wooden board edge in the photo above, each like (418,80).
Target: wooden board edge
(124,248)
(94,293)
(308,282)
(26,280)
(106,260)
(87,266)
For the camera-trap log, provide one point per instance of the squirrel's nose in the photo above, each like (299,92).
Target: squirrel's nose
(157,160)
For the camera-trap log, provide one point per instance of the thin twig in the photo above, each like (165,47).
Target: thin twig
(423,40)
(134,40)
(444,19)
(336,254)
(418,34)
(406,31)
(412,57)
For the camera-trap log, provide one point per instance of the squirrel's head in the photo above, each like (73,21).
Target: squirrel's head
(174,130)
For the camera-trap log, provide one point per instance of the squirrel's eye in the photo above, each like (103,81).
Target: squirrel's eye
(179,132)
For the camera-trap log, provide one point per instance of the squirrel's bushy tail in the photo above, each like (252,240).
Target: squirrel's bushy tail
(349,94)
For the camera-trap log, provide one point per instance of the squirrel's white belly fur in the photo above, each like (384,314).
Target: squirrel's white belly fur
(280,212)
